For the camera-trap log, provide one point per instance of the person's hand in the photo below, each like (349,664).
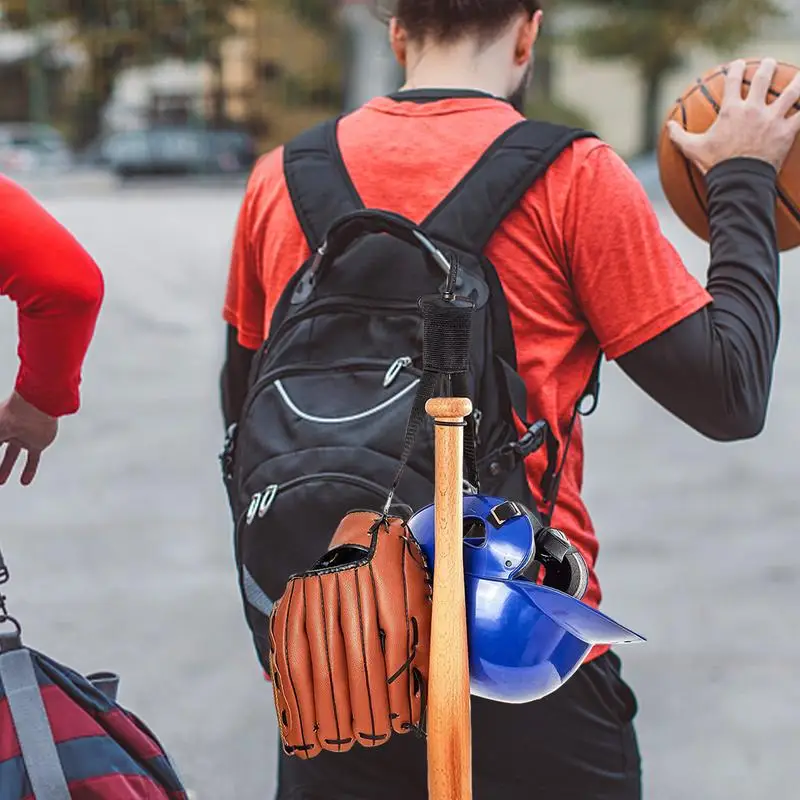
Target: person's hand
(745,128)
(24,427)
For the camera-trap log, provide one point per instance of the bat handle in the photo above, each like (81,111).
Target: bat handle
(449,726)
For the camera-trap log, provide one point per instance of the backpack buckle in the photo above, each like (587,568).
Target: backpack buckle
(226,457)
(506,457)
(531,440)
(304,288)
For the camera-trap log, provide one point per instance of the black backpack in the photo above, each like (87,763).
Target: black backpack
(330,393)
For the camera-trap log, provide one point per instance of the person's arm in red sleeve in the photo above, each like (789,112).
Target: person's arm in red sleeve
(58,290)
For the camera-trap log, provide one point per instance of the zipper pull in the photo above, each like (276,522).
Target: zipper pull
(253,508)
(267,499)
(394,370)
(261,502)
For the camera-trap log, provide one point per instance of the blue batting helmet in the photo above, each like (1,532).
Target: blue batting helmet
(525,639)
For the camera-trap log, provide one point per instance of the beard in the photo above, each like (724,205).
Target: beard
(518,96)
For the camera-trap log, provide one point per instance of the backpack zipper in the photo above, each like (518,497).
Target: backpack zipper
(261,502)
(295,369)
(333,306)
(341,420)
(398,365)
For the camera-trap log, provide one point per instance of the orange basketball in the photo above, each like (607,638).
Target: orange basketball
(684,185)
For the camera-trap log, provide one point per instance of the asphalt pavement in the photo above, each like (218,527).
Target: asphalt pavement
(120,552)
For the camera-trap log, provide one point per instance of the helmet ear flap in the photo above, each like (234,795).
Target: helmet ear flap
(565,568)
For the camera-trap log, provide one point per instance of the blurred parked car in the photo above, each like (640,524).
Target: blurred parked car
(29,147)
(175,151)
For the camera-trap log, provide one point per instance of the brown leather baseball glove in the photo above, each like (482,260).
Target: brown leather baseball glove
(350,638)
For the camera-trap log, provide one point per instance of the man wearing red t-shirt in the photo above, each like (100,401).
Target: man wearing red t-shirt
(585,269)
(58,290)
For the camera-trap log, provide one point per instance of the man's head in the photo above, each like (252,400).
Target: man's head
(492,37)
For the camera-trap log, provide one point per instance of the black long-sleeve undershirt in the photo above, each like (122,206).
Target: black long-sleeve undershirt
(234,377)
(714,369)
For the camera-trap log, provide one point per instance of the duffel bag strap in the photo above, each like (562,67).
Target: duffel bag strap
(39,752)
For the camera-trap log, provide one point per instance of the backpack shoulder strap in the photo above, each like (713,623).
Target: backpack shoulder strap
(488,193)
(468,217)
(319,185)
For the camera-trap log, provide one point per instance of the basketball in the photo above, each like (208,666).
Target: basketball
(684,185)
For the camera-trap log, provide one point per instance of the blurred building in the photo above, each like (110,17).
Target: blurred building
(371,68)
(168,92)
(50,49)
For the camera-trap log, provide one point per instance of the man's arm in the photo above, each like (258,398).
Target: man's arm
(244,305)
(58,290)
(706,355)
(713,370)
(234,377)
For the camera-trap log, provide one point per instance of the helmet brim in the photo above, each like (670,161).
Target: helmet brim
(527,640)
(582,621)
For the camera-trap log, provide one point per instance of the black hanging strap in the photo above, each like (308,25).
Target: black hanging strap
(447,325)
(514,392)
(536,434)
(460,388)
(4,615)
(4,576)
(553,481)
(319,185)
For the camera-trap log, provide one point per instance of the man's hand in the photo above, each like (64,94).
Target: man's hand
(24,427)
(745,128)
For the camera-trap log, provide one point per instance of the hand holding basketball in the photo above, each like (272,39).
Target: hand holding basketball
(749,109)
(748,125)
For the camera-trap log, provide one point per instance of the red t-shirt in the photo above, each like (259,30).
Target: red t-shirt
(58,290)
(582,260)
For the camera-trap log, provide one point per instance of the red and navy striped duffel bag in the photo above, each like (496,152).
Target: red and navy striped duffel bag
(64,737)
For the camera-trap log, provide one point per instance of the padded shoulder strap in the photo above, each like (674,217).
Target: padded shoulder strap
(492,188)
(320,188)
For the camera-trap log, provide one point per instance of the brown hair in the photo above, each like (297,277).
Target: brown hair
(450,20)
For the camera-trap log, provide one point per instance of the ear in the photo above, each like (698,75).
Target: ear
(398,38)
(527,34)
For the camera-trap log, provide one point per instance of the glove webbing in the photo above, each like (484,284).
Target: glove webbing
(447,324)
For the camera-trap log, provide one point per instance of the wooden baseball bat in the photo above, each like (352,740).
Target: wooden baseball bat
(449,726)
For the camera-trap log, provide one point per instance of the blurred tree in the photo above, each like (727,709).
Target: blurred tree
(207,25)
(371,67)
(298,66)
(655,35)
(545,55)
(120,33)
(319,13)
